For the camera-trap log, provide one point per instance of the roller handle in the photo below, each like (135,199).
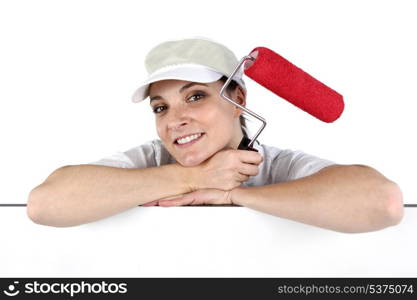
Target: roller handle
(244,144)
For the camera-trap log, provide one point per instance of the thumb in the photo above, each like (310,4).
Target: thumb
(172,197)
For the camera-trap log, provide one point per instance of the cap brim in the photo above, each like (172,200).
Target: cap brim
(193,73)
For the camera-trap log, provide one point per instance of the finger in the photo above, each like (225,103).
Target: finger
(248,169)
(176,202)
(173,201)
(241,177)
(172,197)
(250,157)
(152,203)
(167,203)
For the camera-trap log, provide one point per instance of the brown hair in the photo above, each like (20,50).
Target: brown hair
(230,88)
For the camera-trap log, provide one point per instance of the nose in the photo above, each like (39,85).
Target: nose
(179,117)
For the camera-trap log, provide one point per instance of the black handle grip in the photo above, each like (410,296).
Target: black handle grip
(244,144)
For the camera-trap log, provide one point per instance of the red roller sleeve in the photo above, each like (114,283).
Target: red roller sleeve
(294,85)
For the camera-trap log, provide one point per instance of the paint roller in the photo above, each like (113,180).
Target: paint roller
(291,83)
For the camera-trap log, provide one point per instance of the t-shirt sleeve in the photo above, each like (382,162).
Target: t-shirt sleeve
(303,164)
(139,157)
(291,165)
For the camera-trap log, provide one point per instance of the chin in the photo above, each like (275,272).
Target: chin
(192,160)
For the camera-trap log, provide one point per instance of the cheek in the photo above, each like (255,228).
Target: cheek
(220,118)
(215,118)
(159,129)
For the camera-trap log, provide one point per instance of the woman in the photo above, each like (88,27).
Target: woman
(195,161)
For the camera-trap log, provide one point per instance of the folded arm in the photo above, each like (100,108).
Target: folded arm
(74,195)
(345,198)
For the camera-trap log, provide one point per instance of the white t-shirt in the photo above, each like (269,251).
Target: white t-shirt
(278,165)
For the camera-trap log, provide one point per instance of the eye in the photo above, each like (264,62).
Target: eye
(197,96)
(157,110)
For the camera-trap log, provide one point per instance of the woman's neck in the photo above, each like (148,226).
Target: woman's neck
(234,143)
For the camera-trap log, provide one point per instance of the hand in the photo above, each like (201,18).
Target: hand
(225,170)
(199,197)
(156,202)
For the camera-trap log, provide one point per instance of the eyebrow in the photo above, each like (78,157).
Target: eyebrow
(188,85)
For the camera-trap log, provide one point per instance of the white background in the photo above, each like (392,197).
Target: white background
(69,68)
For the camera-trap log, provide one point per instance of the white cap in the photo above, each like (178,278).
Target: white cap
(196,60)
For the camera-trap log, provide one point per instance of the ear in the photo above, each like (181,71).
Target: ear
(239,97)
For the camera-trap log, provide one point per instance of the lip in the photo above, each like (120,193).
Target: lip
(183,136)
(191,142)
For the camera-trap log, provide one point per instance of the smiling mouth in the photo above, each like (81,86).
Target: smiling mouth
(189,140)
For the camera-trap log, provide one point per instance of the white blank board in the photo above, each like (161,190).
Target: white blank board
(201,242)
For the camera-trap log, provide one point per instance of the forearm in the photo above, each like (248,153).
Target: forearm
(74,195)
(341,198)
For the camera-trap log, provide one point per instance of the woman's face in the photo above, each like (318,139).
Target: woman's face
(195,110)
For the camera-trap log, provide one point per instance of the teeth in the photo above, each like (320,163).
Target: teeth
(188,138)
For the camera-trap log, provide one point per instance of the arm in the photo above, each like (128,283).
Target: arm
(73,195)
(345,198)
